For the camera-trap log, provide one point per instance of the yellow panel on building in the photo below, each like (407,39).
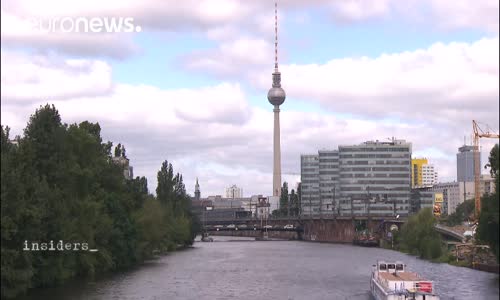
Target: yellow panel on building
(416,171)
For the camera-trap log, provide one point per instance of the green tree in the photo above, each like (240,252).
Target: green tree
(60,183)
(488,226)
(165,187)
(463,212)
(294,203)
(419,237)
(118,150)
(284,199)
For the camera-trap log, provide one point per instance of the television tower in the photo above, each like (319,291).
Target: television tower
(276,97)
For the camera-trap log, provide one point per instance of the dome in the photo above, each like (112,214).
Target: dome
(276,96)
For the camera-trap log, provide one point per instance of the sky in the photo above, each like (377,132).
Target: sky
(188,83)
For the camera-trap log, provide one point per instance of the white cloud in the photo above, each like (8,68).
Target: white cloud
(234,57)
(38,78)
(222,19)
(444,84)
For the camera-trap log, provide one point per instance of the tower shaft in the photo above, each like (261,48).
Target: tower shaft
(277,153)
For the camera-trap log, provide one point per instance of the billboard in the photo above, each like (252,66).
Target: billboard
(438,198)
(438,204)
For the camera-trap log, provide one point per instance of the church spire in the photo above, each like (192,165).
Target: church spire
(197,192)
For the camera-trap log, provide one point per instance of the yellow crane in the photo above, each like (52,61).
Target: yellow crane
(479,133)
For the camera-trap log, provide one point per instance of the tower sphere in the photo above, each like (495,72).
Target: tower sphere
(276,96)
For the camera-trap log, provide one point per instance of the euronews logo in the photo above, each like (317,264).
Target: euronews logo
(85,25)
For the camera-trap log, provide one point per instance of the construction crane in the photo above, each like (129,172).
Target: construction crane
(479,133)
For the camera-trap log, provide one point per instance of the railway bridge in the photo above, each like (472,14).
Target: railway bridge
(340,229)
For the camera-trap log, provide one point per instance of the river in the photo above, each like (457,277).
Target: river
(239,268)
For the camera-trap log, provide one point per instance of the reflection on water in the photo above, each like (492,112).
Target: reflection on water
(241,268)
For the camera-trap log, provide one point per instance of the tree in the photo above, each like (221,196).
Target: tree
(284,199)
(294,203)
(488,226)
(59,183)
(118,150)
(165,188)
(463,212)
(418,235)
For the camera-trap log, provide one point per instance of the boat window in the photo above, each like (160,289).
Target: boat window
(391,266)
(399,267)
(382,267)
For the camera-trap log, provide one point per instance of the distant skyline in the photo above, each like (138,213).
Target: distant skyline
(191,86)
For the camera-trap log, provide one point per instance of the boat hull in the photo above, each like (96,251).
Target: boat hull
(379,293)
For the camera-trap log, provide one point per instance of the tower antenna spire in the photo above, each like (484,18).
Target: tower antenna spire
(276,36)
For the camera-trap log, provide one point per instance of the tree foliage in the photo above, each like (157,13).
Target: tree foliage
(463,212)
(488,226)
(419,237)
(59,182)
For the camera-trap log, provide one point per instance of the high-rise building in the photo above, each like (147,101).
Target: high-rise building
(465,164)
(234,192)
(309,178)
(429,175)
(378,171)
(423,174)
(328,180)
(371,177)
(416,171)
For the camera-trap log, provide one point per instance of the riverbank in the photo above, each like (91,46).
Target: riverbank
(477,257)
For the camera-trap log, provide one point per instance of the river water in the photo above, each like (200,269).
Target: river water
(239,268)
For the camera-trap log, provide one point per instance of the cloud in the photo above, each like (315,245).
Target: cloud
(21,32)
(230,58)
(443,84)
(225,20)
(38,78)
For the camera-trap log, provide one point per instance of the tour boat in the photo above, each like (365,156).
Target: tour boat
(391,281)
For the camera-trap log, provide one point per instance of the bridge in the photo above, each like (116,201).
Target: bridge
(326,228)
(450,233)
(330,228)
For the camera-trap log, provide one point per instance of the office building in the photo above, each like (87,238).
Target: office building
(422,173)
(465,164)
(354,180)
(416,171)
(309,178)
(429,175)
(454,193)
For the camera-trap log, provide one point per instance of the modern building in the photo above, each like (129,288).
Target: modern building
(373,177)
(328,180)
(429,175)
(421,198)
(465,164)
(422,173)
(234,192)
(309,178)
(416,171)
(454,193)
